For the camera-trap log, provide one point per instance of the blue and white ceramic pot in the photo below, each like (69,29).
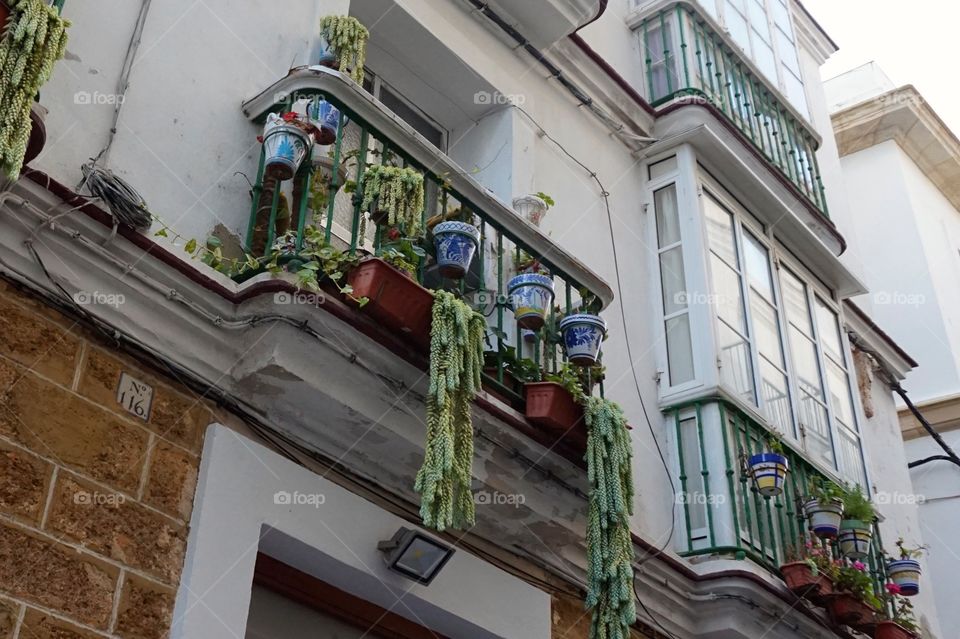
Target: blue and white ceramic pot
(906,574)
(325,118)
(285,146)
(456,244)
(769,472)
(582,335)
(824,516)
(531,294)
(855,537)
(328,55)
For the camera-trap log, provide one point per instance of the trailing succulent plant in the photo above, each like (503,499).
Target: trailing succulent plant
(398,192)
(36,37)
(456,361)
(609,544)
(349,39)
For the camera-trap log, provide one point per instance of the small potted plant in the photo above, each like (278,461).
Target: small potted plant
(343,45)
(530,295)
(854,602)
(824,508)
(809,571)
(769,470)
(456,243)
(286,142)
(856,528)
(583,332)
(523,262)
(324,118)
(402,253)
(533,207)
(397,193)
(905,571)
(903,624)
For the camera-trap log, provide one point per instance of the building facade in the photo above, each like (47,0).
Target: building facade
(200,453)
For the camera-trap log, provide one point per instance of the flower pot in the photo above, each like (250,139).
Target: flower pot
(582,335)
(854,538)
(892,630)
(456,244)
(531,294)
(801,581)
(38,132)
(328,55)
(768,471)
(285,146)
(906,574)
(550,405)
(824,517)
(847,609)
(324,118)
(531,208)
(396,301)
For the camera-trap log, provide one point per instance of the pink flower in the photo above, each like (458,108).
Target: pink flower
(893,589)
(859,565)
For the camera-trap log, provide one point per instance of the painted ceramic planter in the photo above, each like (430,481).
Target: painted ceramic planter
(855,537)
(531,208)
(550,406)
(456,244)
(892,630)
(906,574)
(285,146)
(802,582)
(824,517)
(768,471)
(395,300)
(582,336)
(325,120)
(328,55)
(844,608)
(531,294)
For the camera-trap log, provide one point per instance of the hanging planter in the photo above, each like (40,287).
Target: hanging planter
(768,472)
(906,574)
(804,582)
(531,294)
(582,335)
(848,609)
(892,630)
(398,195)
(456,244)
(324,118)
(855,537)
(823,516)
(344,45)
(395,300)
(551,406)
(285,146)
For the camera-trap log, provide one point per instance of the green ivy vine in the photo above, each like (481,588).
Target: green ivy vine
(456,361)
(36,37)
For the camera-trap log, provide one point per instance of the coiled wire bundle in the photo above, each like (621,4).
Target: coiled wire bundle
(126,205)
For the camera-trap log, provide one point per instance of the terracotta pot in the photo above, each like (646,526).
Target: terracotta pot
(550,405)
(38,134)
(801,581)
(845,608)
(396,301)
(892,630)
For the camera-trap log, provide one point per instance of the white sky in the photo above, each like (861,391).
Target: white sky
(915,42)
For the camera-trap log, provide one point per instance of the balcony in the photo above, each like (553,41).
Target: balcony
(369,135)
(723,512)
(686,58)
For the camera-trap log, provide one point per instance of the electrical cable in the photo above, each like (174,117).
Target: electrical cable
(126,205)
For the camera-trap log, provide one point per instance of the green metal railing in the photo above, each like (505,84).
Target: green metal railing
(739,521)
(685,56)
(358,146)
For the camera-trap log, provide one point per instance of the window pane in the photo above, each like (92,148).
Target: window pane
(829,330)
(672,281)
(816,434)
(795,301)
(804,354)
(837,382)
(851,463)
(679,350)
(720,232)
(663,167)
(776,398)
(763,56)
(737,25)
(758,19)
(691,468)
(788,52)
(736,368)
(766,331)
(668,219)
(793,87)
(757,266)
(781,15)
(727,296)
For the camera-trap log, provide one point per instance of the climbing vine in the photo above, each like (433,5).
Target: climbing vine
(35,39)
(398,192)
(609,544)
(349,39)
(456,360)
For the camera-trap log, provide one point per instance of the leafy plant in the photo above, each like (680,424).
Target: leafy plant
(348,37)
(523,262)
(856,505)
(609,544)
(816,556)
(569,377)
(35,38)
(546,199)
(317,260)
(856,579)
(910,552)
(398,192)
(902,609)
(456,358)
(774,442)
(523,369)
(824,490)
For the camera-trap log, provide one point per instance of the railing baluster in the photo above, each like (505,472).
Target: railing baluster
(683,480)
(705,474)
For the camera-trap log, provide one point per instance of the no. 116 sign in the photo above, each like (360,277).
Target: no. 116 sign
(135,396)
